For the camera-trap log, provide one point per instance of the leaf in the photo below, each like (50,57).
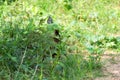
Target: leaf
(68,6)
(14,59)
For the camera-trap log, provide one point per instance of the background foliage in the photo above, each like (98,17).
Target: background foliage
(87,28)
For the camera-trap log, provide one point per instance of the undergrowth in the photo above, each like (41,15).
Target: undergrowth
(30,49)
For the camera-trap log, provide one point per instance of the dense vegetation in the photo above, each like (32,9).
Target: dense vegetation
(31,49)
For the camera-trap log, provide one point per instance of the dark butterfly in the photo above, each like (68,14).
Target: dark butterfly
(54,55)
(57,33)
(56,40)
(50,20)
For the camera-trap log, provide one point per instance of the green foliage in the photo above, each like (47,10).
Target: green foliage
(7,1)
(106,42)
(28,49)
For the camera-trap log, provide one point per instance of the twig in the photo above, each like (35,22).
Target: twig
(21,63)
(36,67)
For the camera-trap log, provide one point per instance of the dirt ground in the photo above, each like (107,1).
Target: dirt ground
(111,69)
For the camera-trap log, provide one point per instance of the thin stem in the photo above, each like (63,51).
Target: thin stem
(21,62)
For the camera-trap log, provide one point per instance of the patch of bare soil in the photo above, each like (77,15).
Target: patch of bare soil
(111,69)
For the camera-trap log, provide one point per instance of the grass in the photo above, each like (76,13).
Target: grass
(87,29)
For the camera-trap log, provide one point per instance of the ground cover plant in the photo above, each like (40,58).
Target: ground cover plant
(56,39)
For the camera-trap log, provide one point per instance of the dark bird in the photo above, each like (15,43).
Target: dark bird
(50,20)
